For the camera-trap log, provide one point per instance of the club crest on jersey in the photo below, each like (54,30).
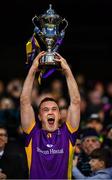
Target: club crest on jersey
(49,145)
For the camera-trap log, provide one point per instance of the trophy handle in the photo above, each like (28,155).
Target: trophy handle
(35,18)
(36,29)
(60,36)
(66,24)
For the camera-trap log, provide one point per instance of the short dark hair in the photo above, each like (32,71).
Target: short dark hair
(45,100)
(103,154)
(2,126)
(88,132)
(94,117)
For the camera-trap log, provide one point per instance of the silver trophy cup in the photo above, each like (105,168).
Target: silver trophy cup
(51,31)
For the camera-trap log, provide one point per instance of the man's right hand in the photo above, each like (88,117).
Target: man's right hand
(36,61)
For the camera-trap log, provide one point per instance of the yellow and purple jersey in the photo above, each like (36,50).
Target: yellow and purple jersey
(50,154)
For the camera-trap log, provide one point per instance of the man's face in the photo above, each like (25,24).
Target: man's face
(49,115)
(3,138)
(109,134)
(90,143)
(96,164)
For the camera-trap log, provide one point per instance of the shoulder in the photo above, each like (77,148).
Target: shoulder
(66,125)
(106,173)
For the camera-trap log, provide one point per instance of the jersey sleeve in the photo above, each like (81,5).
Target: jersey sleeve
(30,133)
(72,132)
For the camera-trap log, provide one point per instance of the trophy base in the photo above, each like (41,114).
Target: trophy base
(48,62)
(49,66)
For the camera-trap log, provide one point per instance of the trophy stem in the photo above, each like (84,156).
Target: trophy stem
(49,50)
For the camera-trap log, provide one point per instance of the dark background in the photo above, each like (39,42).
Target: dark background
(87,43)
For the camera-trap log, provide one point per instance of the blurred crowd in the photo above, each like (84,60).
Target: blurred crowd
(94,138)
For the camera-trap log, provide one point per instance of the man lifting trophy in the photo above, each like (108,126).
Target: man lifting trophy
(49,144)
(49,29)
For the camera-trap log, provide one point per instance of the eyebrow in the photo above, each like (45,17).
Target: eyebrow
(54,107)
(3,134)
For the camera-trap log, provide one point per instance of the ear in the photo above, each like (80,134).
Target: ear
(39,117)
(59,115)
(102,163)
(6,140)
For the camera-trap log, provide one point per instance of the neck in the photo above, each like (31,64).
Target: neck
(101,168)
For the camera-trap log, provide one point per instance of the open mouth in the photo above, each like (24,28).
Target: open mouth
(51,120)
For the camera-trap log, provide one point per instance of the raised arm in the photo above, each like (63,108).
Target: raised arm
(74,108)
(27,113)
